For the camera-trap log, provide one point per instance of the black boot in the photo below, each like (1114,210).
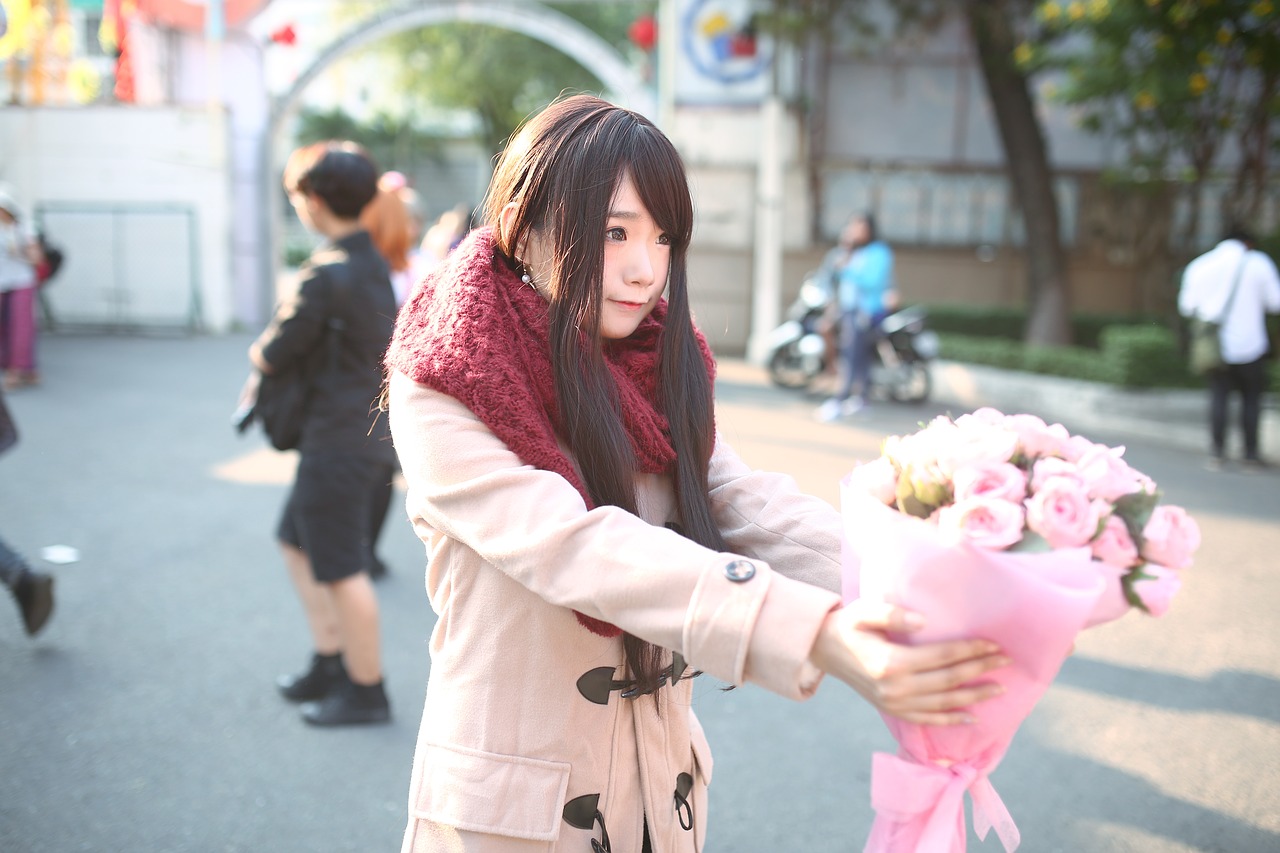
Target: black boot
(350,705)
(325,674)
(34,594)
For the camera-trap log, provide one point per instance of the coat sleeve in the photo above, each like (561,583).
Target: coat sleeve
(731,616)
(766,516)
(298,323)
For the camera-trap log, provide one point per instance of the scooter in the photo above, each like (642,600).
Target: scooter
(799,353)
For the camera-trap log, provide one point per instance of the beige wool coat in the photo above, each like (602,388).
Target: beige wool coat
(527,742)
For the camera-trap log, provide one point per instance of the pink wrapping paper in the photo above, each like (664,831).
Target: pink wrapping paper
(1032,604)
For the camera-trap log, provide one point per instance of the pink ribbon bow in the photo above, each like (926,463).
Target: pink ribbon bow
(921,806)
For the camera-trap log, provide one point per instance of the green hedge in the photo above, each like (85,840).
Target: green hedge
(1130,356)
(1010,323)
(1133,351)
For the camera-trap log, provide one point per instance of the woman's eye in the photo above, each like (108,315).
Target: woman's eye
(616,233)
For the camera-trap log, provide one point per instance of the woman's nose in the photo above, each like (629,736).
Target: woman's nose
(640,266)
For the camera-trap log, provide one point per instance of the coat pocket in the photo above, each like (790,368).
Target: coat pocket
(505,795)
(702,778)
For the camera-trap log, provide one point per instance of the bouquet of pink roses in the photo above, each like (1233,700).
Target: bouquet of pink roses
(1007,528)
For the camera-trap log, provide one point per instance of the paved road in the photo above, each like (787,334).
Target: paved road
(144,718)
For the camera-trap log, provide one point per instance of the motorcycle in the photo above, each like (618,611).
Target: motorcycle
(799,352)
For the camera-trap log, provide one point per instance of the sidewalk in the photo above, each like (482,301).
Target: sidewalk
(1173,418)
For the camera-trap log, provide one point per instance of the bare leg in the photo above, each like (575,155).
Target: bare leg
(317,602)
(356,606)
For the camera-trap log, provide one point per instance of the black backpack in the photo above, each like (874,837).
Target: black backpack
(53,256)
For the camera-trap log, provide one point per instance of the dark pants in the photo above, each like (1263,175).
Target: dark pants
(12,565)
(858,332)
(1250,380)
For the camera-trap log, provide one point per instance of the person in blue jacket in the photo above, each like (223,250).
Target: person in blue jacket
(865,295)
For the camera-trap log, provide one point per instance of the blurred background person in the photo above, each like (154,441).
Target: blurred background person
(394,227)
(31,590)
(865,295)
(389,222)
(19,258)
(345,455)
(446,233)
(1237,286)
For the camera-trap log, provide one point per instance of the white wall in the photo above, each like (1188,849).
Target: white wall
(97,158)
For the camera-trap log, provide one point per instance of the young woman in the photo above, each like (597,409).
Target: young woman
(592,544)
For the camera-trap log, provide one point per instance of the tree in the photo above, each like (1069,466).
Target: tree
(998,28)
(1191,89)
(994,28)
(499,75)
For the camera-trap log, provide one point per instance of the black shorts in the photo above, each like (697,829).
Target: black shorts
(329,512)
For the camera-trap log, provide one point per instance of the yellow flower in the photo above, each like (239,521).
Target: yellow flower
(1198,83)
(1075,11)
(1022,54)
(1144,100)
(1153,3)
(1205,58)
(1050,12)
(1224,37)
(1263,8)
(1163,42)
(1099,8)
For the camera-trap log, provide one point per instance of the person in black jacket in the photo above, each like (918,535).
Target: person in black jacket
(345,454)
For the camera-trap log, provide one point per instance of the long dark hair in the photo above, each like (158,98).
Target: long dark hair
(561,170)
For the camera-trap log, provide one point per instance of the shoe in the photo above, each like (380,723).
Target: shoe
(15,379)
(1255,464)
(829,411)
(852,406)
(350,705)
(1215,463)
(34,592)
(326,674)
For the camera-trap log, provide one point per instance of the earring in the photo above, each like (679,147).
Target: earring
(526,278)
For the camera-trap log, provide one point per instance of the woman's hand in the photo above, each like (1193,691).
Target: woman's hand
(919,684)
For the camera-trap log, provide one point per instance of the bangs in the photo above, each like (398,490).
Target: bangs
(659,178)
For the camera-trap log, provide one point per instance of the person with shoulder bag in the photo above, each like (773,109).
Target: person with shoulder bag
(1226,294)
(331,334)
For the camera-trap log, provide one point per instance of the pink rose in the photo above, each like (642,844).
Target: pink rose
(1074,447)
(1170,537)
(1053,467)
(998,480)
(1156,586)
(878,479)
(1107,475)
(983,417)
(975,443)
(1038,438)
(1113,603)
(1114,545)
(984,522)
(1062,513)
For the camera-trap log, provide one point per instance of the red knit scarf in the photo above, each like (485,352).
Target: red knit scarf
(475,331)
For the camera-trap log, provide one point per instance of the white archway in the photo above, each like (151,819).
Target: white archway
(529,17)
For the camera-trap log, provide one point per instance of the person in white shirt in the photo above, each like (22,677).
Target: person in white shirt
(1237,286)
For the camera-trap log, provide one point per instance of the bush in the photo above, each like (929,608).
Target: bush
(993,352)
(1070,362)
(991,321)
(1146,357)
